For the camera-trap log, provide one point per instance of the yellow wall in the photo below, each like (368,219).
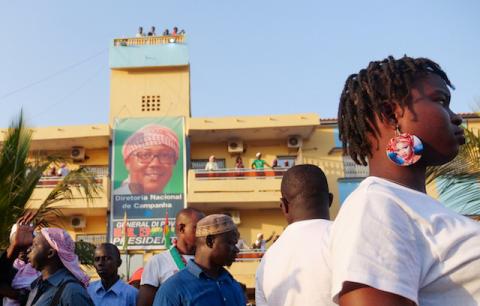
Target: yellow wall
(263,221)
(94,225)
(316,151)
(127,87)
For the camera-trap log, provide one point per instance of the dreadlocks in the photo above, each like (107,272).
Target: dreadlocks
(371,93)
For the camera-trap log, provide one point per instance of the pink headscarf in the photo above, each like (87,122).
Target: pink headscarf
(26,274)
(61,241)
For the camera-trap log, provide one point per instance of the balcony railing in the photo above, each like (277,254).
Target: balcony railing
(250,255)
(149,40)
(51,181)
(239,173)
(351,169)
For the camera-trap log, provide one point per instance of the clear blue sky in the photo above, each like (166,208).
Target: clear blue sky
(247,57)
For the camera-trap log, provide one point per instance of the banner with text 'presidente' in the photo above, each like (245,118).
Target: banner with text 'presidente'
(148,180)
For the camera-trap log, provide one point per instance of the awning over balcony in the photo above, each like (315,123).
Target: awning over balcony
(201,130)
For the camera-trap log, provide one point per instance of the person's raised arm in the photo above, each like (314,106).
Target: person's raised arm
(271,237)
(23,237)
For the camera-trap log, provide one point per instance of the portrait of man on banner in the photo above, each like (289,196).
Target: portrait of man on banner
(148,179)
(149,155)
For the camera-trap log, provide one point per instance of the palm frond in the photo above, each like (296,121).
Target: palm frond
(458,181)
(80,180)
(20,173)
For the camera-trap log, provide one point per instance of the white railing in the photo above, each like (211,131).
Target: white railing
(51,181)
(250,255)
(242,173)
(351,169)
(148,40)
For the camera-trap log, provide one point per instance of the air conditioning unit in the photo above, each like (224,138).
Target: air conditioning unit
(235,214)
(235,146)
(77,153)
(78,222)
(294,142)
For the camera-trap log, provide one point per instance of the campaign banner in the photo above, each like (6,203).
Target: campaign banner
(148,180)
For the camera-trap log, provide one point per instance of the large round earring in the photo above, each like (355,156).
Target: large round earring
(404,149)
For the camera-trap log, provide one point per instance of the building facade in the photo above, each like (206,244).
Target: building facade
(150,78)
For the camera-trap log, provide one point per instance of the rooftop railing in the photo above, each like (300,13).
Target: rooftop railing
(229,173)
(149,40)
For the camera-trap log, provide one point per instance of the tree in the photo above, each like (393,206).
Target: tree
(20,172)
(459,180)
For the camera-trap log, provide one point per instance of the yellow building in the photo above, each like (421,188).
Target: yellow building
(150,77)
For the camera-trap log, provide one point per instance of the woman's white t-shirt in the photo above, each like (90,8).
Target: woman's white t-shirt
(398,240)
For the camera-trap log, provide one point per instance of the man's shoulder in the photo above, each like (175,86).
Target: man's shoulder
(126,288)
(161,259)
(75,293)
(175,281)
(94,285)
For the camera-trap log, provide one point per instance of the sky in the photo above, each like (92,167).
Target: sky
(246,57)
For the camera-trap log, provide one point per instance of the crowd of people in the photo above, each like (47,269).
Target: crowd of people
(258,163)
(391,244)
(166,32)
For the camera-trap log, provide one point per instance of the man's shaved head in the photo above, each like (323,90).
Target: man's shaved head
(188,215)
(185,227)
(305,192)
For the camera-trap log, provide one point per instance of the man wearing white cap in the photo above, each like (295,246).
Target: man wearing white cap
(150,154)
(204,282)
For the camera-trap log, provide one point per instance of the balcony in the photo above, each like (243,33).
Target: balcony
(235,188)
(77,205)
(352,170)
(149,51)
(149,40)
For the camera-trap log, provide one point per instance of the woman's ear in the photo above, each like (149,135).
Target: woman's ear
(390,111)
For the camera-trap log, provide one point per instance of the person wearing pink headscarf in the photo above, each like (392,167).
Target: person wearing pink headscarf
(150,154)
(53,254)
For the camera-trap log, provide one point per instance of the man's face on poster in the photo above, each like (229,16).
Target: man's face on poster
(150,168)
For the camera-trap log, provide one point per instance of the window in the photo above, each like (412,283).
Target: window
(95,239)
(150,103)
(346,186)
(286,161)
(199,164)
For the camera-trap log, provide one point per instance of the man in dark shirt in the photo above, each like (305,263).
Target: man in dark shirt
(62,281)
(204,282)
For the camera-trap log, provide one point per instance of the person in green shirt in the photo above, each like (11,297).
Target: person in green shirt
(259,163)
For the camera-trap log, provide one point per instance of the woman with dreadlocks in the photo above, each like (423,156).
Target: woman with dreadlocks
(392,244)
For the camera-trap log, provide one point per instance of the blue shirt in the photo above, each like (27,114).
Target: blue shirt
(43,291)
(191,286)
(120,294)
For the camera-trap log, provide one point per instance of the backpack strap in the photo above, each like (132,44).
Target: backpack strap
(58,294)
